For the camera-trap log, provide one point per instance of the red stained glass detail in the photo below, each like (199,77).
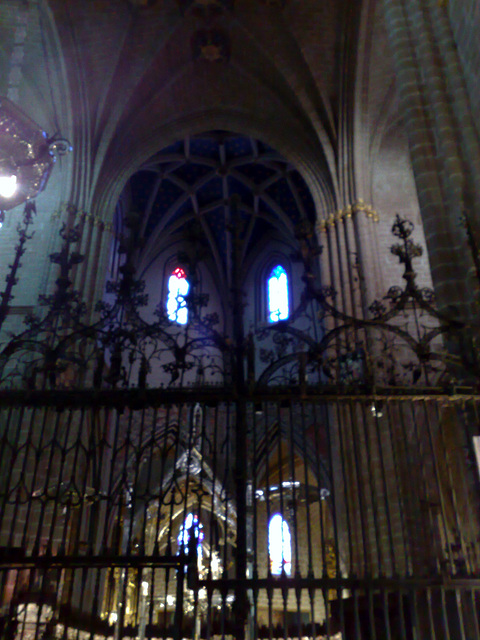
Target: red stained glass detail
(179,272)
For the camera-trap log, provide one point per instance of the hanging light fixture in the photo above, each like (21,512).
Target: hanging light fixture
(8,181)
(26,156)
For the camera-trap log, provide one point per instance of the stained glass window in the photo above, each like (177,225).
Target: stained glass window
(279,546)
(183,537)
(178,287)
(277,290)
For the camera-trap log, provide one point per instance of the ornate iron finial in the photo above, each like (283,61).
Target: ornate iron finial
(20,248)
(406,251)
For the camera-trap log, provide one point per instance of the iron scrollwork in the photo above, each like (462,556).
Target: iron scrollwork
(404,340)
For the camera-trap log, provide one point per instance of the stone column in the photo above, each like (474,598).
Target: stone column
(444,162)
(350,253)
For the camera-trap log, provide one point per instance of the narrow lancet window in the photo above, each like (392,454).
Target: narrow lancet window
(190,523)
(277,290)
(178,287)
(279,546)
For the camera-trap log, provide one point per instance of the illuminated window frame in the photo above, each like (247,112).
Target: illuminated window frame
(177,288)
(277,294)
(183,538)
(279,546)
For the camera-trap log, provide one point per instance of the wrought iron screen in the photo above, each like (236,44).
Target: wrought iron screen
(146,515)
(322,484)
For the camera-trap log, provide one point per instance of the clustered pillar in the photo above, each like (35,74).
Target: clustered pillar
(445,154)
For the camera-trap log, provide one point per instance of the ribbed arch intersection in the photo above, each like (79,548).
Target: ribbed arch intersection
(195,179)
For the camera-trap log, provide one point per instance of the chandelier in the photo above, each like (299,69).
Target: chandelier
(26,156)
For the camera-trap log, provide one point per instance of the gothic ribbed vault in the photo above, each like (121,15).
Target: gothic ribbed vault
(194,180)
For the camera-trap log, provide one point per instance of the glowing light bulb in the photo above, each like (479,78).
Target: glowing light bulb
(8,185)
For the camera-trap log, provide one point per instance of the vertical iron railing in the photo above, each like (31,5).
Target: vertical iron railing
(120,516)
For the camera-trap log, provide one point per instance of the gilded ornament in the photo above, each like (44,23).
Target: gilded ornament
(212,45)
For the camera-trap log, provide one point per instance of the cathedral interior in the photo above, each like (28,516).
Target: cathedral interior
(239,319)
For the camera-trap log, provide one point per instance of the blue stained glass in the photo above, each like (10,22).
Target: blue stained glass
(279,546)
(183,537)
(178,287)
(277,294)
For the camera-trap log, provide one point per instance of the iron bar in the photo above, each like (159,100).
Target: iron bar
(12,560)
